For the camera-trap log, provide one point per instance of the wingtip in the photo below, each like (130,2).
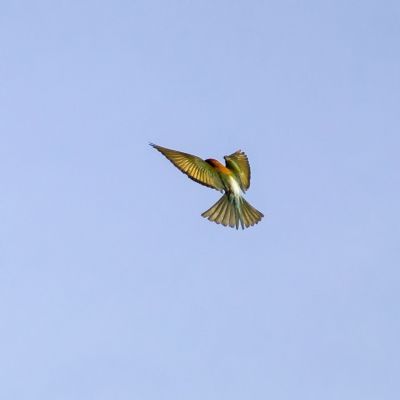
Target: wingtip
(236,152)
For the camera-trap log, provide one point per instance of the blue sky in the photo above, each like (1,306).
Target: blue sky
(112,286)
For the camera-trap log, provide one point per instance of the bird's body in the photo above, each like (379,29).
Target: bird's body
(233,179)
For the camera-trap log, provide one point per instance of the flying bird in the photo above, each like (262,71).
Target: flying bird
(233,179)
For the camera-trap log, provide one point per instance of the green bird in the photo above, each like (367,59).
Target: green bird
(233,179)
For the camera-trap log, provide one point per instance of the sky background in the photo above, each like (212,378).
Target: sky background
(112,286)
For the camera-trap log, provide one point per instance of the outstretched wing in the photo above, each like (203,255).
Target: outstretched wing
(194,167)
(239,164)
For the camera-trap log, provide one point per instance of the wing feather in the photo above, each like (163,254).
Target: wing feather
(194,167)
(239,164)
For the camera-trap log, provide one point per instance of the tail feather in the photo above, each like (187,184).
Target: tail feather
(226,217)
(234,221)
(251,213)
(219,212)
(232,211)
(246,216)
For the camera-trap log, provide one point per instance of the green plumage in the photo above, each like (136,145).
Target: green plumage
(231,211)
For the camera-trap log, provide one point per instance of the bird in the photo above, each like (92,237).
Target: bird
(233,179)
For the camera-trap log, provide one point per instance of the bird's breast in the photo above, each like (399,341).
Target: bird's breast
(234,186)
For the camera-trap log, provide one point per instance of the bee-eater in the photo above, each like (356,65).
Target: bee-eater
(233,179)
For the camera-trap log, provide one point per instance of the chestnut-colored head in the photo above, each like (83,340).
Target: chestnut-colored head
(218,166)
(214,163)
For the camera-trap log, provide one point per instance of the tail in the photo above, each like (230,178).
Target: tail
(231,210)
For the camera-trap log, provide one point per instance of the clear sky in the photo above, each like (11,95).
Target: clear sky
(112,286)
